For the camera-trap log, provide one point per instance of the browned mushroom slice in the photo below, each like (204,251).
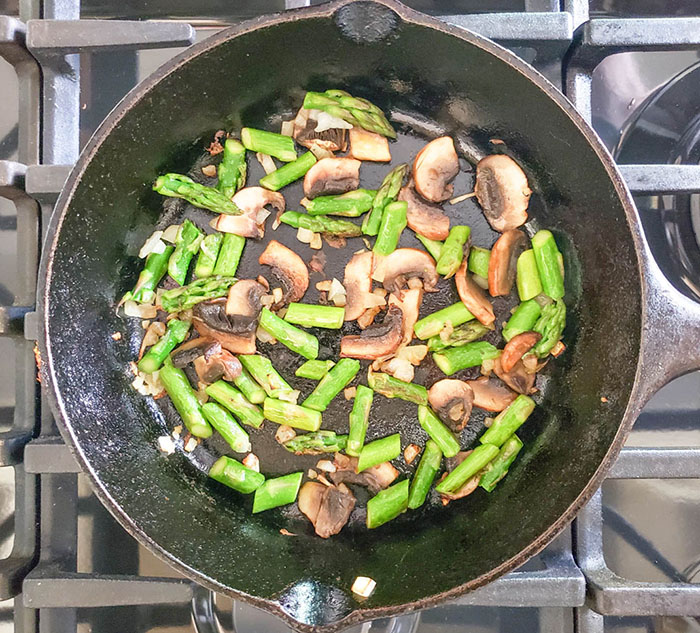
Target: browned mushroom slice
(434,168)
(473,297)
(245,225)
(251,223)
(358,284)
(374,479)
(211,321)
(214,366)
(243,304)
(423,217)
(410,306)
(191,350)
(503,260)
(467,487)
(452,401)
(378,340)
(502,191)
(288,267)
(406,263)
(490,394)
(518,378)
(332,175)
(327,507)
(305,124)
(366,145)
(517,347)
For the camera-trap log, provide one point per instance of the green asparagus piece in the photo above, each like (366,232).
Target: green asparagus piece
(288,173)
(229,255)
(280,491)
(233,474)
(185,297)
(425,474)
(233,400)
(289,414)
(392,225)
(547,258)
(508,421)
(432,246)
(551,326)
(350,205)
(308,315)
(462,334)
(379,451)
(528,279)
(320,224)
(455,359)
(232,168)
(227,427)
(497,469)
(249,388)
(523,319)
(438,432)
(261,369)
(453,251)
(184,399)
(186,245)
(179,186)
(316,443)
(391,387)
(155,267)
(472,464)
(354,110)
(270,143)
(174,335)
(387,504)
(332,384)
(479,259)
(359,420)
(433,324)
(314,369)
(208,250)
(387,192)
(292,337)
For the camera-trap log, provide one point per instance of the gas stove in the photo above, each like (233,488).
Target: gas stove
(630,560)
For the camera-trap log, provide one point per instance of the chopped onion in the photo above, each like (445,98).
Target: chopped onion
(267,163)
(543,300)
(558,349)
(399,368)
(282,312)
(191,444)
(410,453)
(349,392)
(289,396)
(209,170)
(487,366)
(262,215)
(264,337)
(152,245)
(367,317)
(324,286)
(340,301)
(116,336)
(201,393)
(145,324)
(267,300)
(304,235)
(480,281)
(415,283)
(287,128)
(277,295)
(251,461)
(325,121)
(363,586)
(326,466)
(285,433)
(155,330)
(140,310)
(414,354)
(373,300)
(336,289)
(263,282)
(488,422)
(170,234)
(311,474)
(316,242)
(446,332)
(319,151)
(305,202)
(530,363)
(177,430)
(166,444)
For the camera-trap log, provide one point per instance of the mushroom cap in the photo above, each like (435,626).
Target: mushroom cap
(211,321)
(473,297)
(366,145)
(333,139)
(358,284)
(189,351)
(410,304)
(452,401)
(252,201)
(517,347)
(219,364)
(518,378)
(434,168)
(406,263)
(288,267)
(378,340)
(331,176)
(327,507)
(375,478)
(503,192)
(490,394)
(243,304)
(503,261)
(423,217)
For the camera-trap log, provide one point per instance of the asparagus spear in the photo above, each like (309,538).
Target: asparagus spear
(508,421)
(547,258)
(261,369)
(288,173)
(497,469)
(462,334)
(425,474)
(359,420)
(379,451)
(479,259)
(186,245)
(391,387)
(227,427)
(455,359)
(438,432)
(233,474)
(387,192)
(229,255)
(174,335)
(184,399)
(233,400)
(316,443)
(357,111)
(551,326)
(390,228)
(295,339)
(433,324)
(320,224)
(270,143)
(387,504)
(232,168)
(350,205)
(314,369)
(179,186)
(523,319)
(290,414)
(528,279)
(155,267)
(206,260)
(471,465)
(453,251)
(249,388)
(332,384)
(432,246)
(280,491)
(185,297)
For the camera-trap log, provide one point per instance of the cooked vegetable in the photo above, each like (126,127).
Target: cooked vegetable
(551,326)
(456,359)
(479,261)
(365,145)
(288,173)
(154,357)
(517,347)
(211,321)
(184,399)
(331,176)
(179,186)
(472,464)
(523,319)
(208,251)
(358,284)
(232,168)
(502,190)
(293,415)
(288,267)
(473,297)
(391,387)
(280,491)
(452,400)
(378,340)
(229,255)
(354,110)
(186,245)
(497,469)
(153,271)
(251,223)
(316,443)
(186,297)
(438,432)
(261,369)
(359,420)
(434,168)
(547,259)
(292,337)
(508,421)
(327,507)
(462,334)
(249,388)
(387,504)
(425,474)
(433,324)
(314,369)
(227,427)
(351,204)
(491,395)
(269,143)
(425,218)
(503,261)
(405,264)
(233,400)
(453,251)
(332,384)
(432,246)
(392,224)
(321,224)
(382,450)
(529,284)
(233,474)
(387,192)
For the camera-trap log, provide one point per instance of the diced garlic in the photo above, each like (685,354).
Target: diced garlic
(166,444)
(316,242)
(209,170)
(191,444)
(277,295)
(326,466)
(116,336)
(349,392)
(285,433)
(363,586)
(304,235)
(287,128)
(251,461)
(324,286)
(170,234)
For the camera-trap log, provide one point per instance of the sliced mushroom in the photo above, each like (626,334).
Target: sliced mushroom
(358,284)
(214,366)
(288,267)
(503,260)
(327,507)
(378,340)
(374,479)
(502,191)
(423,217)
(305,123)
(452,401)
(211,321)
(245,225)
(243,304)
(518,378)
(473,297)
(365,145)
(332,175)
(490,394)
(517,347)
(410,306)
(404,264)
(251,223)
(434,168)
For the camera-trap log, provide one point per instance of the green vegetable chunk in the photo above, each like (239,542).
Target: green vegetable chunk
(387,504)
(186,245)
(425,474)
(332,384)
(359,420)
(392,225)
(321,224)
(528,279)
(508,421)
(233,474)
(314,369)
(523,319)
(461,335)
(434,323)
(453,251)
(307,315)
(547,258)
(498,468)
(186,297)
(227,427)
(233,400)
(208,251)
(261,369)
(551,326)
(294,415)
(280,491)
(472,464)
(379,451)
(174,335)
(232,168)
(270,143)
(229,255)
(153,271)
(179,186)
(387,192)
(288,173)
(292,337)
(391,387)
(479,259)
(184,399)
(438,432)
(350,205)
(251,390)
(316,443)
(433,247)
(455,359)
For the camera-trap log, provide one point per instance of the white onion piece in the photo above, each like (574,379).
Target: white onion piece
(363,586)
(191,444)
(166,444)
(170,234)
(336,289)
(400,369)
(152,245)
(285,433)
(349,393)
(289,396)
(267,163)
(287,128)
(140,310)
(324,286)
(264,337)
(372,300)
(320,152)
(316,243)
(262,215)
(326,466)
(304,235)
(325,121)
(414,354)
(251,461)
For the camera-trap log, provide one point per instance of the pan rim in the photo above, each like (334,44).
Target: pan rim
(62,207)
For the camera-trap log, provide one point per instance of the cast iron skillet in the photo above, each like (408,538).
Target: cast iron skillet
(628,331)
